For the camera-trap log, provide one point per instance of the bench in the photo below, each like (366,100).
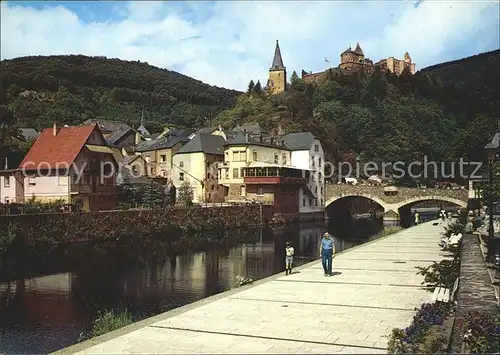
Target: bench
(442,294)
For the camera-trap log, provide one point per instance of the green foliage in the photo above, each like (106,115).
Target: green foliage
(35,206)
(481,332)
(185,194)
(73,88)
(7,236)
(384,117)
(110,320)
(443,273)
(153,195)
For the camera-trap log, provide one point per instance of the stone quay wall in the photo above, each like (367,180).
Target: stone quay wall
(61,228)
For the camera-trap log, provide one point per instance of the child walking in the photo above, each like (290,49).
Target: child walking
(289,258)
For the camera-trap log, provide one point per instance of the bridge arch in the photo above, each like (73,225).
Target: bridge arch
(333,199)
(455,201)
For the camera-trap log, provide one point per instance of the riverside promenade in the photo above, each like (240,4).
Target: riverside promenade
(375,288)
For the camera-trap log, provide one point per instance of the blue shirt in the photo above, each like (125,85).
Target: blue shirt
(327,243)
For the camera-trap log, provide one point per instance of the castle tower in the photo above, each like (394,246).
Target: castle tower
(407,58)
(277,73)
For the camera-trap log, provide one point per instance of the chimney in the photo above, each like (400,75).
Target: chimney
(54,129)
(6,164)
(272,140)
(246,137)
(137,138)
(220,128)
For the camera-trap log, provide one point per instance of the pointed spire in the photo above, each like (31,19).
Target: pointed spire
(358,49)
(277,60)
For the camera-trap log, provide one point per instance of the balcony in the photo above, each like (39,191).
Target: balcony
(95,189)
(275,175)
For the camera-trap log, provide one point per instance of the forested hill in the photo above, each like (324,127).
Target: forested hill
(476,77)
(72,88)
(443,112)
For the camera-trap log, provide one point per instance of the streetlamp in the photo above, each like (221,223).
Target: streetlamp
(493,153)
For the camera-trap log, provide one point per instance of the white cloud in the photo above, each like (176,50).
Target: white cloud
(229,43)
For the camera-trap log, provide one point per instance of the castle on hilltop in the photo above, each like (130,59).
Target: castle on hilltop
(355,60)
(350,61)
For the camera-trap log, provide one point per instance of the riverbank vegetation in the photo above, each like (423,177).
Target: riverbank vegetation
(431,327)
(390,230)
(110,320)
(170,225)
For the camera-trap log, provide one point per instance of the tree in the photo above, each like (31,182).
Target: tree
(258,88)
(251,86)
(294,78)
(153,195)
(186,194)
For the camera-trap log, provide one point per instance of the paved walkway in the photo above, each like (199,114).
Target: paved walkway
(376,288)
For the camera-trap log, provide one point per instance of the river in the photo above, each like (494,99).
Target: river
(52,305)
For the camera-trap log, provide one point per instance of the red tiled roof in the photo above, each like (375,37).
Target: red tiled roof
(62,148)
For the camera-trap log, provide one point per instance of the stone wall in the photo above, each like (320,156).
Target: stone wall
(79,227)
(475,290)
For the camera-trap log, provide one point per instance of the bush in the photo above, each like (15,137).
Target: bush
(390,230)
(110,320)
(425,334)
(481,332)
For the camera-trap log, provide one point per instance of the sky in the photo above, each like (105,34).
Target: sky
(227,43)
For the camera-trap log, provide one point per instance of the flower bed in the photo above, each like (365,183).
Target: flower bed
(481,333)
(426,333)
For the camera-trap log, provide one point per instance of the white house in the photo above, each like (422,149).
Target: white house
(11,186)
(307,154)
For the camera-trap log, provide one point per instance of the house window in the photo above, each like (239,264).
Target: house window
(181,164)
(235,173)
(310,202)
(181,176)
(31,181)
(276,157)
(319,162)
(322,190)
(6,181)
(303,202)
(283,157)
(316,147)
(134,169)
(315,202)
(163,158)
(260,191)
(312,162)
(243,155)
(164,173)
(254,155)
(321,201)
(316,189)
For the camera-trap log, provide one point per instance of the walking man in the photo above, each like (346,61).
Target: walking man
(327,251)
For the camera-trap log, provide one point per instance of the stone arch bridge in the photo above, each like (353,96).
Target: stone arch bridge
(392,201)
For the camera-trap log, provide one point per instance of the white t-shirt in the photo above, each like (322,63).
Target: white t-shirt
(289,251)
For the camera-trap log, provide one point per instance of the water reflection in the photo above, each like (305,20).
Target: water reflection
(44,314)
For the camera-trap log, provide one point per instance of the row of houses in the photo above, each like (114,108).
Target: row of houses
(84,164)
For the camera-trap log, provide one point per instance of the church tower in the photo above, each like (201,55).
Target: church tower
(277,73)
